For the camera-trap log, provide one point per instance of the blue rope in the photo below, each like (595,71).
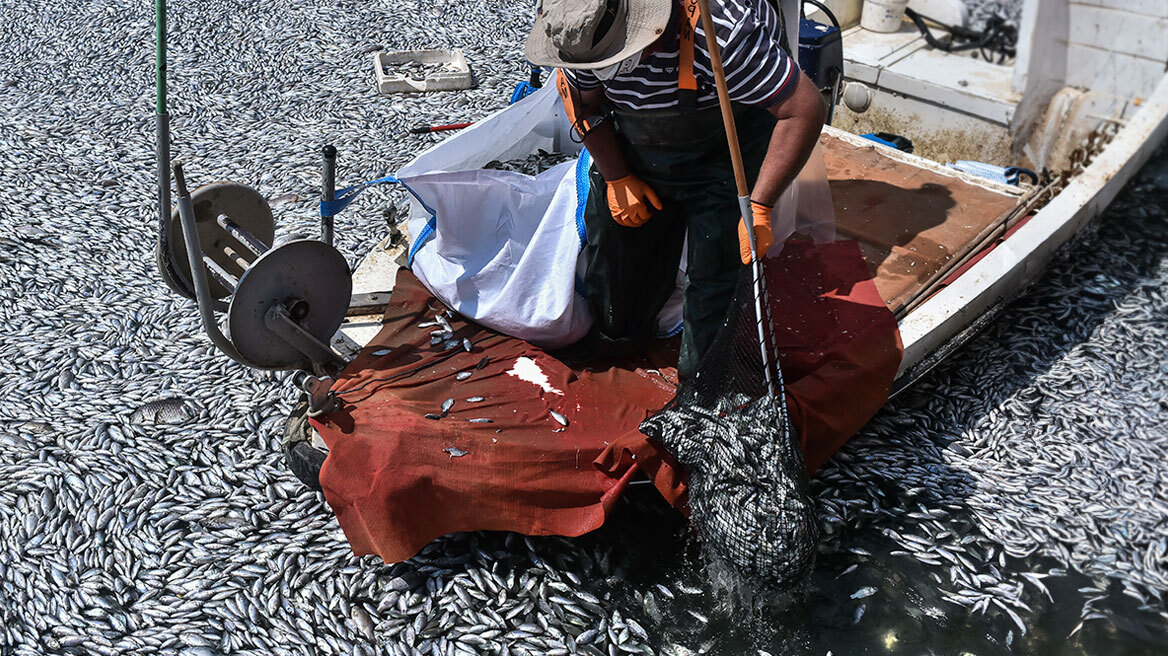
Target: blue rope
(525,89)
(522,90)
(427,232)
(583,186)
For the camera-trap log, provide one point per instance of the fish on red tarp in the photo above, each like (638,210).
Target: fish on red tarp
(531,445)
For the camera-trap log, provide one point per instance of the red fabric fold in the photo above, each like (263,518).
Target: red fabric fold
(397,480)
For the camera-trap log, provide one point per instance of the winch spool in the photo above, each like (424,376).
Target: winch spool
(284,303)
(306,279)
(235,228)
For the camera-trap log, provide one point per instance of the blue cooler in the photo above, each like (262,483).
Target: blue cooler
(821,53)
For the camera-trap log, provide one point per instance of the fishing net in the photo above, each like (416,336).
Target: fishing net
(748,492)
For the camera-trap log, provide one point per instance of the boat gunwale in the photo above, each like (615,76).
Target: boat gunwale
(1006,271)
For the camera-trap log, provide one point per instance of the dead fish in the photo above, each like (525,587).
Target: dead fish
(170,410)
(463,375)
(481,420)
(444,323)
(866,591)
(363,622)
(636,629)
(450,344)
(455,452)
(699,617)
(431,415)
(859,614)
(285,199)
(558,417)
(35,427)
(381,352)
(475,399)
(466,346)
(482,363)
(447,405)
(428,324)
(435,341)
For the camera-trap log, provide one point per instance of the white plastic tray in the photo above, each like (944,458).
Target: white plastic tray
(390,79)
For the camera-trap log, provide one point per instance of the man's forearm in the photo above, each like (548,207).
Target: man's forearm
(800,121)
(600,141)
(606,151)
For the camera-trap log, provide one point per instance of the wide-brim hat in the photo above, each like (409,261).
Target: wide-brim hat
(564,31)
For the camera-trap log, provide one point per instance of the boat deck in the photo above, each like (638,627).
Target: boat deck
(914,220)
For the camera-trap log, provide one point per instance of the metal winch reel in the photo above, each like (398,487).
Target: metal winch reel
(235,227)
(283,303)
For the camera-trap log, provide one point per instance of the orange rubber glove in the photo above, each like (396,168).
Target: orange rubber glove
(763,238)
(627,201)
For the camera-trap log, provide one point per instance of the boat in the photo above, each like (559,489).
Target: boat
(948,236)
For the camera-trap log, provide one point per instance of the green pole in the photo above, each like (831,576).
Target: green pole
(160,55)
(162,145)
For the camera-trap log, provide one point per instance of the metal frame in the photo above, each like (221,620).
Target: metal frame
(277,318)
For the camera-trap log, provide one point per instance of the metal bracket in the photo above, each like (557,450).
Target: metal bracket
(280,322)
(321,399)
(367,303)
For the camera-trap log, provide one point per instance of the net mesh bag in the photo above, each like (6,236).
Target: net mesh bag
(748,492)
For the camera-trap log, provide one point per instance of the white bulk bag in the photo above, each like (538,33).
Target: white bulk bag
(501,247)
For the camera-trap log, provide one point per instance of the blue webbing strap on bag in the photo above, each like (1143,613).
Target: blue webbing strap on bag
(347,195)
(344,197)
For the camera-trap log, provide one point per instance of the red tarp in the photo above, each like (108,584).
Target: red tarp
(397,480)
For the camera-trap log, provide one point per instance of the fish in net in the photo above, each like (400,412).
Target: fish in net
(728,426)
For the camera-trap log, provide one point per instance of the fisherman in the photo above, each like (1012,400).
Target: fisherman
(638,86)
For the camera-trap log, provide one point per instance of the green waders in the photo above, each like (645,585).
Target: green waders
(631,272)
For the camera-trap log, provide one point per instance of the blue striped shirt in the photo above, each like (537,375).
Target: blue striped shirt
(758,70)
